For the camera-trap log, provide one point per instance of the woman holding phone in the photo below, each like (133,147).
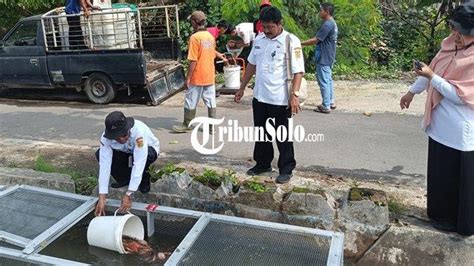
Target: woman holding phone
(449,123)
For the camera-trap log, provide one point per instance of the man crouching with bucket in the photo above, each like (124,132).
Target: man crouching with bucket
(127,149)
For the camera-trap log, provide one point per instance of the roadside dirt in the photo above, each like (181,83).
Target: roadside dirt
(351,96)
(81,159)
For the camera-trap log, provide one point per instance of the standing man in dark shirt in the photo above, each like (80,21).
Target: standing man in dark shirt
(325,56)
(73,7)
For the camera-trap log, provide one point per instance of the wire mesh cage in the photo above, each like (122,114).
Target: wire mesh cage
(234,244)
(216,239)
(224,240)
(32,217)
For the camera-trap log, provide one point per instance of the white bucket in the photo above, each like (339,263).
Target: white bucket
(107,231)
(232,77)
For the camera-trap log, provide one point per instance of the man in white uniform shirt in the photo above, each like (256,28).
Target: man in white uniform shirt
(271,96)
(127,149)
(244,32)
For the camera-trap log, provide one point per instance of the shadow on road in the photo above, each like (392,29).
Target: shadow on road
(68,95)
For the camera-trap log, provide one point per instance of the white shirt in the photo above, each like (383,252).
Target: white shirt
(452,121)
(268,55)
(245,32)
(140,138)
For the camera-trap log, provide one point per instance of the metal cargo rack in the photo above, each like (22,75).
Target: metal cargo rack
(110,29)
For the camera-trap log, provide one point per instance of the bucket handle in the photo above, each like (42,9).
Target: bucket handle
(115,213)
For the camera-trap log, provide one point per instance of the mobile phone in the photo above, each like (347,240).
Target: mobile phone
(418,65)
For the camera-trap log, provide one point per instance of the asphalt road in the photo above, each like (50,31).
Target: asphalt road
(379,147)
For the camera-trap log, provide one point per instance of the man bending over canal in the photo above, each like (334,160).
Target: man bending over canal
(127,149)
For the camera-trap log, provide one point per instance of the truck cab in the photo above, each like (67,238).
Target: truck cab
(23,57)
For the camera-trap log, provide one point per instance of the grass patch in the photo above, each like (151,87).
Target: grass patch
(12,165)
(209,178)
(230,176)
(257,187)
(42,165)
(376,196)
(168,169)
(395,207)
(308,190)
(213,180)
(84,182)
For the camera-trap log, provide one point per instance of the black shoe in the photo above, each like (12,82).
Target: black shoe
(443,226)
(144,188)
(256,170)
(119,184)
(283,178)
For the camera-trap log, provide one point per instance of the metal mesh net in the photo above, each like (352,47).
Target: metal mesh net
(223,243)
(29,213)
(173,226)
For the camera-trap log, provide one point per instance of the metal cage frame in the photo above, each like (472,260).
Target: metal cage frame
(33,246)
(17,255)
(52,17)
(335,255)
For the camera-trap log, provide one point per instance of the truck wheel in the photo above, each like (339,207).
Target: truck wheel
(99,89)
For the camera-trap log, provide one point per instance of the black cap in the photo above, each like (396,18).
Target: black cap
(117,125)
(462,19)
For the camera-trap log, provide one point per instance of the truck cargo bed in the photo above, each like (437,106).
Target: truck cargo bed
(164,79)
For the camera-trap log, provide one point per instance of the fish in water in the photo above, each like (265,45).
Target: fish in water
(143,249)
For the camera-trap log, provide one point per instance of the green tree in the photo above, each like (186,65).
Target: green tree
(359,30)
(210,7)
(237,11)
(12,10)
(414,29)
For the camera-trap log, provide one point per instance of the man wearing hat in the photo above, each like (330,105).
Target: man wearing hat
(201,72)
(127,149)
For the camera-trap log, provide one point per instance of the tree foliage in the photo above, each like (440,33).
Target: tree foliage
(415,29)
(373,34)
(12,10)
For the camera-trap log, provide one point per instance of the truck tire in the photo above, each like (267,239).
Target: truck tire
(99,89)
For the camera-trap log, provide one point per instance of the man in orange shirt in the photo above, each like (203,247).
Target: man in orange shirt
(201,72)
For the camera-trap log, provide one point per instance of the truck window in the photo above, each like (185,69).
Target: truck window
(24,35)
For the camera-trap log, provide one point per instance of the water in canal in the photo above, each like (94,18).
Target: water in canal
(169,231)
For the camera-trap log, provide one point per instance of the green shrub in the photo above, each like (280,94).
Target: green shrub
(168,169)
(257,187)
(209,178)
(42,165)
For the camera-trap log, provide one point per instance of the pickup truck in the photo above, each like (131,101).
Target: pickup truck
(133,49)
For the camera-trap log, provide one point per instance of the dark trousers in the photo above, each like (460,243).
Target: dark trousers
(451,186)
(76,38)
(263,151)
(120,170)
